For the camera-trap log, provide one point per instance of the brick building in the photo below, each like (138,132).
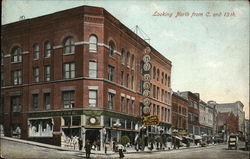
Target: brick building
(77,72)
(227,124)
(179,113)
(193,112)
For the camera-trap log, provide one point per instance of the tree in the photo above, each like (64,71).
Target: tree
(124,140)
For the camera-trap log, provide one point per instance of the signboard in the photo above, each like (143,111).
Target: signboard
(151,120)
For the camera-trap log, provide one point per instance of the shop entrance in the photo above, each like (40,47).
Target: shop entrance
(93,136)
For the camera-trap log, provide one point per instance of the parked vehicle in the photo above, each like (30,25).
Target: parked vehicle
(233,142)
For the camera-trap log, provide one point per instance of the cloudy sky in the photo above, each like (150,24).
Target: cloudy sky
(210,54)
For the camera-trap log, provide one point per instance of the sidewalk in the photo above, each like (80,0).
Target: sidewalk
(109,152)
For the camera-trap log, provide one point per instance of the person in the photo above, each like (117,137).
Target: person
(120,149)
(74,140)
(114,146)
(88,149)
(80,143)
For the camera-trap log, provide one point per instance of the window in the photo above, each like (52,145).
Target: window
(16,130)
(111,48)
(132,82)
(92,43)
(154,72)
(122,56)
(122,78)
(35,101)
(92,98)
(162,95)
(122,104)
(154,91)
(168,114)
(16,103)
(133,62)
(68,99)
(16,77)
(158,74)
(47,101)
(127,80)
(127,105)
(69,46)
(162,77)
(141,86)
(69,70)
(47,49)
(16,55)
(158,93)
(128,59)
(2,79)
(141,67)
(92,69)
(36,74)
(111,100)
(168,81)
(47,73)
(36,51)
(40,128)
(132,107)
(111,70)
(2,56)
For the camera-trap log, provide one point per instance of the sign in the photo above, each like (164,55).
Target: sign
(151,120)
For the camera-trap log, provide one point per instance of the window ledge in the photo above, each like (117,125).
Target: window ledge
(69,53)
(35,59)
(47,57)
(16,62)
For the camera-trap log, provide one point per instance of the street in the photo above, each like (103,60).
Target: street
(17,150)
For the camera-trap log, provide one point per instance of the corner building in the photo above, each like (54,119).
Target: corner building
(75,73)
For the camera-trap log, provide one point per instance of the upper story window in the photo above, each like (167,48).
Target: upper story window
(127,81)
(158,74)
(16,103)
(169,82)
(122,56)
(162,77)
(2,56)
(36,74)
(47,73)
(141,67)
(166,79)
(92,98)
(128,59)
(133,61)
(92,43)
(122,78)
(111,48)
(92,69)
(111,98)
(2,80)
(16,54)
(35,101)
(47,49)
(36,51)
(69,45)
(111,71)
(68,99)
(16,77)
(47,101)
(154,72)
(69,70)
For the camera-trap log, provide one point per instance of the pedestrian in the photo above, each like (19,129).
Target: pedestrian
(114,146)
(120,149)
(80,143)
(88,149)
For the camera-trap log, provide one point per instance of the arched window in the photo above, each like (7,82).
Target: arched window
(36,51)
(128,59)
(154,72)
(132,61)
(122,56)
(47,49)
(111,48)
(158,74)
(92,43)
(16,54)
(69,45)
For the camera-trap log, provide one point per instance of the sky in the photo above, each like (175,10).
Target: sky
(208,46)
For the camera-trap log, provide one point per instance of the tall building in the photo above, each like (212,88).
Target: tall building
(78,72)
(179,113)
(193,112)
(237,109)
(206,119)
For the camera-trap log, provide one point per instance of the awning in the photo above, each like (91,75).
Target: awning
(197,137)
(177,137)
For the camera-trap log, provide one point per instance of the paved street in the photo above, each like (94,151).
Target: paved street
(17,150)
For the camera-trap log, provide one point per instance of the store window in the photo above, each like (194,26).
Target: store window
(16,130)
(40,127)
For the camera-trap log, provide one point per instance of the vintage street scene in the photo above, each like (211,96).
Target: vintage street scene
(115,79)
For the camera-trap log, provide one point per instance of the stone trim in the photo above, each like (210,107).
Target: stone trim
(35,91)
(122,94)
(17,93)
(46,90)
(93,87)
(68,88)
(57,46)
(112,91)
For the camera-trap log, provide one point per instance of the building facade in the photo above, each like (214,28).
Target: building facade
(237,109)
(179,113)
(193,112)
(78,73)
(206,119)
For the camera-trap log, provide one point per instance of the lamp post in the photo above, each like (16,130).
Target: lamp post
(117,125)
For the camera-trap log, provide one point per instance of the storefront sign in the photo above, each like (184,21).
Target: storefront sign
(151,120)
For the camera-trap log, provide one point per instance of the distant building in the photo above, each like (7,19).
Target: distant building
(237,109)
(247,130)
(193,111)
(212,104)
(179,113)
(227,124)
(206,119)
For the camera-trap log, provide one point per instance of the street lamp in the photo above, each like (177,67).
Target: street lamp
(117,125)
